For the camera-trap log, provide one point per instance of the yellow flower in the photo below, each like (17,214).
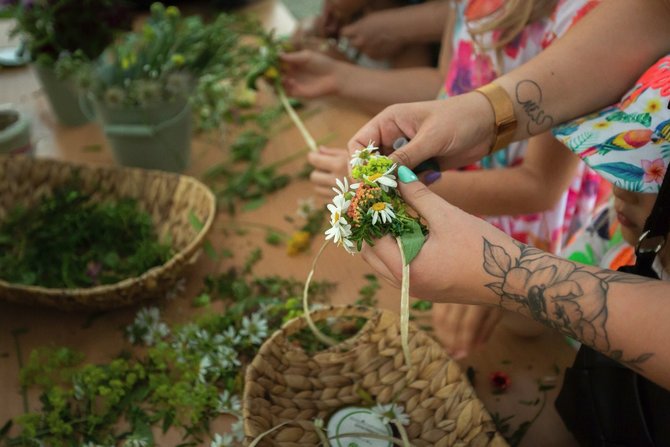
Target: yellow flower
(271,73)
(602,125)
(653,105)
(172,12)
(178,59)
(299,242)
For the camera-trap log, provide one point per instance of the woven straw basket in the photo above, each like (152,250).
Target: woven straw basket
(168,198)
(283,383)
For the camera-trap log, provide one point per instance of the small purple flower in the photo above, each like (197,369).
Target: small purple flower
(93,269)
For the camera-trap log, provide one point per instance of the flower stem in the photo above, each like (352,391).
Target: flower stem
(403,434)
(19,357)
(260,437)
(305,302)
(311,143)
(404,305)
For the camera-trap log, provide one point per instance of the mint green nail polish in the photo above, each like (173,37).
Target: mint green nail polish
(406,175)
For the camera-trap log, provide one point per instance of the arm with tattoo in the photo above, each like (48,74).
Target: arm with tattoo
(564,295)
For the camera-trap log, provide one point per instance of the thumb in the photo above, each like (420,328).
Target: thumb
(429,205)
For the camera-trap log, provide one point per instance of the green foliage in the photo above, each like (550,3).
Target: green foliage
(166,58)
(184,378)
(57,30)
(243,178)
(68,241)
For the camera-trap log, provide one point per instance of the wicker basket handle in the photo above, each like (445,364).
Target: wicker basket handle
(295,325)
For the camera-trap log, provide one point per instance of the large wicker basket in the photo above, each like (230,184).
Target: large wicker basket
(168,198)
(283,383)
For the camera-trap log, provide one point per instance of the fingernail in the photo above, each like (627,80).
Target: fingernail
(406,175)
(400,142)
(432,177)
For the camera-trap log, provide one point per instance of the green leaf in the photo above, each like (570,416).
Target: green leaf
(412,241)
(210,251)
(254,204)
(194,221)
(5,429)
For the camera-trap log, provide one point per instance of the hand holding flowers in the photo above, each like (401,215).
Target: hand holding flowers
(366,211)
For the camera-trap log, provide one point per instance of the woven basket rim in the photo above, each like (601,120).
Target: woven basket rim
(185,252)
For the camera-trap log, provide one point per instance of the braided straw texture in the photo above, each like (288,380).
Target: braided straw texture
(168,198)
(283,383)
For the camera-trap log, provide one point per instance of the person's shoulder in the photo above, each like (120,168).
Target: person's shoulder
(565,15)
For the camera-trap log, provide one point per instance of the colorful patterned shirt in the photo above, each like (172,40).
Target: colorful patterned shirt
(470,69)
(601,244)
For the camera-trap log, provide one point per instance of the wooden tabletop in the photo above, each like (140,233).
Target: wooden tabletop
(525,360)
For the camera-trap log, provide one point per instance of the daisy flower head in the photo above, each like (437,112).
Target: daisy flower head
(342,188)
(382,212)
(362,156)
(339,232)
(391,413)
(377,172)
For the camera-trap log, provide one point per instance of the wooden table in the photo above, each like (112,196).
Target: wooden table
(525,360)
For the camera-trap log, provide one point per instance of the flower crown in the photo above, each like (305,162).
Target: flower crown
(372,207)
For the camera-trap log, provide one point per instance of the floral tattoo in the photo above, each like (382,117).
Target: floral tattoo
(560,294)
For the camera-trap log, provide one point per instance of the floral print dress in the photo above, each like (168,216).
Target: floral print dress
(601,244)
(470,68)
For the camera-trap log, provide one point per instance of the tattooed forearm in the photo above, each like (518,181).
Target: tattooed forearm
(557,292)
(529,96)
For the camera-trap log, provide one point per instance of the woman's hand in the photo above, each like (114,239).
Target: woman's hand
(462,328)
(449,267)
(329,164)
(456,131)
(309,74)
(378,35)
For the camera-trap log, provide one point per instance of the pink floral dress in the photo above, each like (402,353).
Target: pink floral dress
(470,69)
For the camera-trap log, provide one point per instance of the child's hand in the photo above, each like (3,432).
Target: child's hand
(462,327)
(378,35)
(308,74)
(329,164)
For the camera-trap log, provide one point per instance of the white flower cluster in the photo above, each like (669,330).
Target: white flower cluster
(218,351)
(228,403)
(391,413)
(147,327)
(230,439)
(340,229)
(370,196)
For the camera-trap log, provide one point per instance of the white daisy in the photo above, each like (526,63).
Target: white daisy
(382,211)
(338,232)
(385,180)
(342,187)
(361,157)
(391,413)
(222,441)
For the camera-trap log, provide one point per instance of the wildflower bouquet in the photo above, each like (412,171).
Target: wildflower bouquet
(169,56)
(368,210)
(56,31)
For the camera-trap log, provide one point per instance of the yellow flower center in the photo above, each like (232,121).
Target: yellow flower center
(379,206)
(374,177)
(336,216)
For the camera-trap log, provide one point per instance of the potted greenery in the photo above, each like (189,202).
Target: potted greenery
(58,35)
(141,88)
